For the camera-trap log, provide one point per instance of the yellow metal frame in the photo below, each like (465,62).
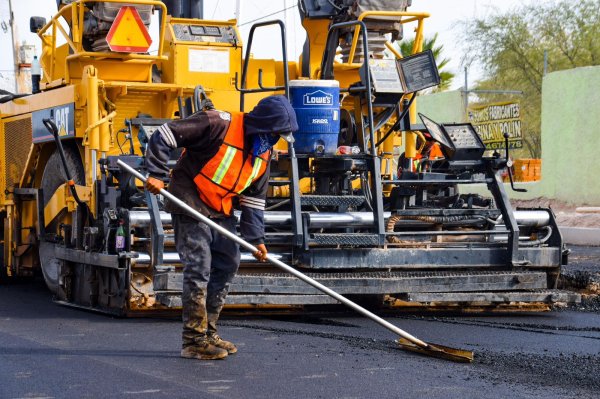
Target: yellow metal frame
(220,85)
(74,14)
(62,199)
(39,101)
(404,17)
(346,71)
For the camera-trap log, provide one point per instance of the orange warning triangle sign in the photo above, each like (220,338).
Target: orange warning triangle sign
(128,34)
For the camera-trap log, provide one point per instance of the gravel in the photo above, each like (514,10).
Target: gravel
(578,372)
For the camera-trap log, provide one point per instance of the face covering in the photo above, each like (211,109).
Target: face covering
(263,142)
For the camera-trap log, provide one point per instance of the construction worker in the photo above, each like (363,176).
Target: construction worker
(430,152)
(226,155)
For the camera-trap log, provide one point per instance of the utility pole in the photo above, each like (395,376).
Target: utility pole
(238,11)
(15,45)
(466,91)
(285,22)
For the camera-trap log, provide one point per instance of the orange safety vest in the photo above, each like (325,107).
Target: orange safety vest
(434,153)
(231,170)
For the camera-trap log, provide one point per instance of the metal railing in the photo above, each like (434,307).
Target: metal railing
(74,14)
(404,17)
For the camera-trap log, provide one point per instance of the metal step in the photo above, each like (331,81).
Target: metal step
(173,301)
(371,282)
(332,200)
(345,239)
(470,257)
(428,298)
(546,296)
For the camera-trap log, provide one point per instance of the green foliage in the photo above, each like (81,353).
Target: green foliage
(511,48)
(405,47)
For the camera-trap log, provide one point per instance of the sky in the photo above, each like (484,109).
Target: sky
(445,18)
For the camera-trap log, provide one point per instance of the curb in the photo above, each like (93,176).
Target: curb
(580,235)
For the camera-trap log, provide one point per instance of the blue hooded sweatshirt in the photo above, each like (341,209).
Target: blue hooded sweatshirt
(271,116)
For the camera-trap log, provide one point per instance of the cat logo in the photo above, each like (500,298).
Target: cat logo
(61,118)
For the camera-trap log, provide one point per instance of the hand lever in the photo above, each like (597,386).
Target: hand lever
(509,164)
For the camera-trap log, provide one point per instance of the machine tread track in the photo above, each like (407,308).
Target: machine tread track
(332,200)
(371,283)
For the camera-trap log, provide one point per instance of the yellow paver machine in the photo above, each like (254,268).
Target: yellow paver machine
(358,201)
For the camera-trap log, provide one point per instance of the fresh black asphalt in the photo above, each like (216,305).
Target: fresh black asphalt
(51,351)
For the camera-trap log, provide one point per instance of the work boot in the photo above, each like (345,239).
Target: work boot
(211,333)
(215,340)
(203,351)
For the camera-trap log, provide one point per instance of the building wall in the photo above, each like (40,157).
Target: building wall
(7,64)
(445,107)
(570,136)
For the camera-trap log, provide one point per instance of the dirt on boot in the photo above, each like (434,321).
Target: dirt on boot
(205,351)
(215,340)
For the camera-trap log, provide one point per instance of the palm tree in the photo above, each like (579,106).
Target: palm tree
(405,47)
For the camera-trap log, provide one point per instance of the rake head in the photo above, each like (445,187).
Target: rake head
(439,351)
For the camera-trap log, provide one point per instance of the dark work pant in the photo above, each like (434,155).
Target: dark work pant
(210,262)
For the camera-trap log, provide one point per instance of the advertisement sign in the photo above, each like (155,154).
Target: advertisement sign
(491,122)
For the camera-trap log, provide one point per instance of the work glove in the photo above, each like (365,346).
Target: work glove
(261,254)
(154,185)
(208,104)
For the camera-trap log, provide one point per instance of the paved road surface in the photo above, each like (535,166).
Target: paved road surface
(50,351)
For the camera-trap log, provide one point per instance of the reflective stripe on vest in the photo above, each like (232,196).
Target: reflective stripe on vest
(224,165)
(231,170)
(258,163)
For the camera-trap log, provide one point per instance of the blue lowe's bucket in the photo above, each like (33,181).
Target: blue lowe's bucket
(317,106)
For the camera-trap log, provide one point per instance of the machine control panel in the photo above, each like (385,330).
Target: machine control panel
(418,72)
(205,33)
(406,75)
(435,131)
(385,76)
(459,142)
(463,136)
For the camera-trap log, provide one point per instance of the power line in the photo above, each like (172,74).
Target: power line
(215,10)
(269,15)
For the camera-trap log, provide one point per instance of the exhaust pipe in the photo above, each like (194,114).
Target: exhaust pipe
(324,220)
